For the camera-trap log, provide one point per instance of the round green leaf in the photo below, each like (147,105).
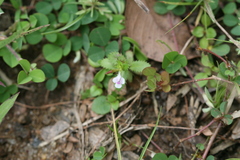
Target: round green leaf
(229,8)
(200,76)
(205,20)
(8,57)
(77,43)
(160,156)
(236,30)
(25,65)
(48,70)
(112,47)
(89,17)
(198,31)
(149,71)
(100,36)
(34,38)
(63,17)
(203,42)
(160,8)
(67,48)
(41,20)
(56,4)
(100,105)
(43,7)
(230,20)
(179,10)
(211,33)
(51,84)
(52,53)
(96,53)
(86,42)
(51,37)
(37,75)
(222,49)
(23,78)
(95,91)
(61,39)
(215,112)
(63,72)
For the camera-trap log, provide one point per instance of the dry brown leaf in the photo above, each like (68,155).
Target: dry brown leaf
(147,28)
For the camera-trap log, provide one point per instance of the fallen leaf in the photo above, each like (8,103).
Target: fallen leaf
(147,28)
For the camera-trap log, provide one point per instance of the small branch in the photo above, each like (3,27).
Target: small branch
(211,141)
(203,79)
(206,50)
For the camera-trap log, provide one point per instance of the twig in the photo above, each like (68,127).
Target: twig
(54,139)
(211,141)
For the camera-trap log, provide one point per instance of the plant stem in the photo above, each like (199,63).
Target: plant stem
(150,137)
(211,141)
(116,135)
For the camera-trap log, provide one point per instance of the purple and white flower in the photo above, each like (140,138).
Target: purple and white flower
(119,81)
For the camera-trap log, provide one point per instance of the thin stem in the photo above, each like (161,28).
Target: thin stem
(211,141)
(116,135)
(206,50)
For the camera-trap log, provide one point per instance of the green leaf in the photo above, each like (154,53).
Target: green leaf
(51,84)
(215,113)
(6,106)
(48,70)
(221,50)
(112,47)
(67,48)
(89,17)
(23,78)
(200,76)
(26,66)
(86,42)
(106,63)
(100,36)
(179,10)
(223,107)
(63,17)
(228,119)
(229,8)
(56,4)
(77,43)
(61,39)
(160,8)
(115,105)
(96,53)
(34,38)
(210,157)
(37,75)
(200,146)
(8,57)
(52,53)
(211,33)
(205,20)
(203,42)
(139,54)
(100,75)
(100,105)
(149,71)
(236,30)
(51,37)
(63,72)
(95,91)
(230,20)
(138,66)
(41,20)
(160,156)
(43,7)
(16,3)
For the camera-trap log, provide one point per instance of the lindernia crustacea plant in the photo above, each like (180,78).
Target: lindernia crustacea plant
(119,81)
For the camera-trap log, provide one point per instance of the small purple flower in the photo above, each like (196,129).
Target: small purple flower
(119,81)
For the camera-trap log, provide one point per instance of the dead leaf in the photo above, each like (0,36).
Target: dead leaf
(133,142)
(171,101)
(147,28)
(68,147)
